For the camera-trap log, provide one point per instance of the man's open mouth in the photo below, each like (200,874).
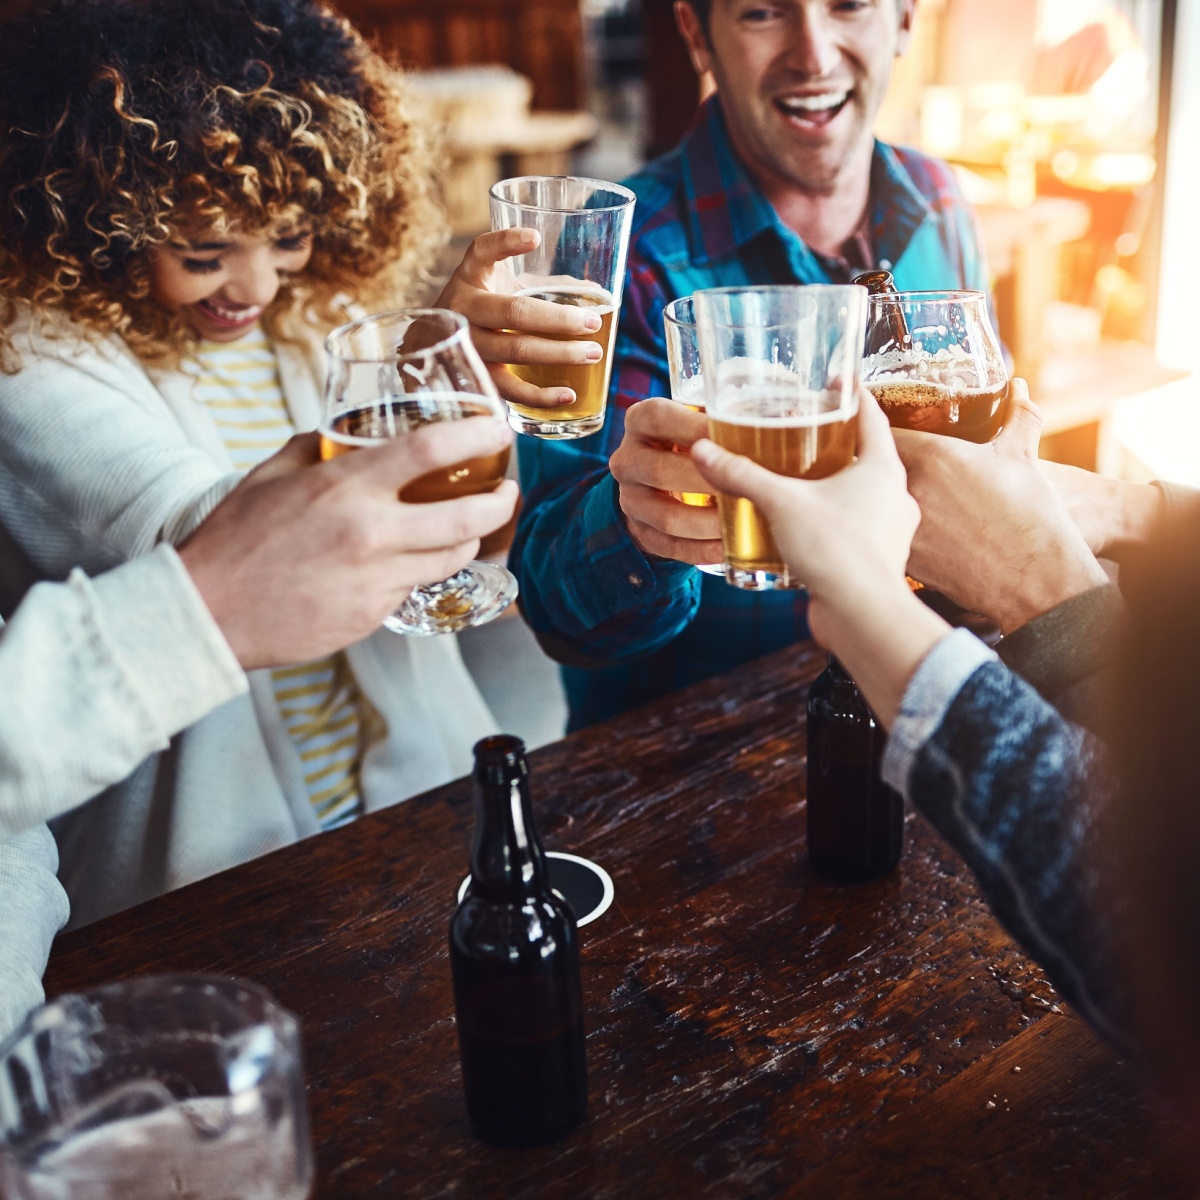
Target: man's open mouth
(814,110)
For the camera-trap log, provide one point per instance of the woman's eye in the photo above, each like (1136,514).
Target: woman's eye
(293,242)
(201,266)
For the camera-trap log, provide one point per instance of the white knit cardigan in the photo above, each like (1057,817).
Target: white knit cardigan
(102,458)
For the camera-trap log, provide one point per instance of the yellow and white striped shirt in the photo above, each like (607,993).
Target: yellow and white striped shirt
(326,716)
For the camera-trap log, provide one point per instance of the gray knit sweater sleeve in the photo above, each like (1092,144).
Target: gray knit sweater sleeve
(1023,796)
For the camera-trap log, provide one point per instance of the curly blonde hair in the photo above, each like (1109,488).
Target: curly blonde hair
(124,123)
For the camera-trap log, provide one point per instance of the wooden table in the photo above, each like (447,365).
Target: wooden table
(752,1031)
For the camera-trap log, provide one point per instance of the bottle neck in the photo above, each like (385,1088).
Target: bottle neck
(507,860)
(838,671)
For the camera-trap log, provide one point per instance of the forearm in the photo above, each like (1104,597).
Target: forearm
(108,670)
(1023,796)
(1114,515)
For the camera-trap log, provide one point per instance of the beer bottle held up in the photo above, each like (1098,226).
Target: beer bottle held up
(514,954)
(886,327)
(855,821)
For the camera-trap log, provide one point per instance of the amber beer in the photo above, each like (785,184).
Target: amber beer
(692,397)
(400,415)
(589,381)
(808,445)
(972,414)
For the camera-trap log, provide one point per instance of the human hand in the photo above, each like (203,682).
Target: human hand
(647,467)
(995,536)
(518,329)
(303,557)
(847,536)
(1114,515)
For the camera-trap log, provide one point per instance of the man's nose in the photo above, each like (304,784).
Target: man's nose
(254,283)
(815,52)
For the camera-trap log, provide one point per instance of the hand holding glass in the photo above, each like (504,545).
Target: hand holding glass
(389,375)
(580,260)
(781,371)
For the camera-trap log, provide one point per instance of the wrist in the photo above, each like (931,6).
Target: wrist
(1050,580)
(1137,510)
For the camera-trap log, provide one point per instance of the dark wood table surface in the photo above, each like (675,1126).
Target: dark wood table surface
(752,1031)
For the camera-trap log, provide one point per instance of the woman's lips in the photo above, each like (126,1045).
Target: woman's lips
(228,318)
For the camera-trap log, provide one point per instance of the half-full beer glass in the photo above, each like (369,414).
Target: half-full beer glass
(584,226)
(934,363)
(184,1085)
(781,372)
(687,386)
(389,375)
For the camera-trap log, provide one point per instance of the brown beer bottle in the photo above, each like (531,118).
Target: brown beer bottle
(886,327)
(514,954)
(855,821)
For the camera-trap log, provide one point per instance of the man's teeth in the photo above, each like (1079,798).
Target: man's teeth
(813,104)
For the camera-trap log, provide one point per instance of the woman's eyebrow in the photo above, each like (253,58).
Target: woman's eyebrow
(180,244)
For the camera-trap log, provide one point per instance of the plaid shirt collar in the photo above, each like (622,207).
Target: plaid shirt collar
(726,210)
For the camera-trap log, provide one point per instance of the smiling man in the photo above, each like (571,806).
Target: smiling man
(779,180)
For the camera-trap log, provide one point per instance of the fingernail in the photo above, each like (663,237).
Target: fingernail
(592,323)
(531,236)
(594,352)
(565,397)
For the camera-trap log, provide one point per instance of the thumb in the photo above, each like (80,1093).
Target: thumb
(874,432)
(736,475)
(1022,423)
(300,450)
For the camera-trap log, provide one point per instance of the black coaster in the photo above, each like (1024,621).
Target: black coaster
(586,887)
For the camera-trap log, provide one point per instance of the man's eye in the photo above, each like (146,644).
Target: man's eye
(201,266)
(293,242)
(850,6)
(758,16)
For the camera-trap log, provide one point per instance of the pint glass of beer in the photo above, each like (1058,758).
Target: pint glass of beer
(687,387)
(934,363)
(580,260)
(389,375)
(781,372)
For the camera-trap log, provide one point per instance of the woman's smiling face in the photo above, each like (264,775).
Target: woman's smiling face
(221,282)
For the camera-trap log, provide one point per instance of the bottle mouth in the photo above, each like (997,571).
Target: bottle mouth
(499,750)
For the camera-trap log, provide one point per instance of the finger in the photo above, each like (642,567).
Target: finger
(431,566)
(874,433)
(655,465)
(445,523)
(661,420)
(521,348)
(490,248)
(516,390)
(736,475)
(394,462)
(655,541)
(1022,423)
(300,450)
(495,310)
(663,512)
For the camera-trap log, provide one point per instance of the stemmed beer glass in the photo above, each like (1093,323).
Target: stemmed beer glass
(389,375)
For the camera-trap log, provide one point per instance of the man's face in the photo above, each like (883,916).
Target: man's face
(800,81)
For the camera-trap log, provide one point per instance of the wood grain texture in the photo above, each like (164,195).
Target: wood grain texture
(753,1031)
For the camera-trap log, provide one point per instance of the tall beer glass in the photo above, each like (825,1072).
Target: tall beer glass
(781,372)
(580,260)
(934,363)
(687,387)
(389,375)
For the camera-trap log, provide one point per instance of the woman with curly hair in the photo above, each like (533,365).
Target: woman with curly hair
(193,195)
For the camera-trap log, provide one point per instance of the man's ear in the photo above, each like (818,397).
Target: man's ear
(692,32)
(908,13)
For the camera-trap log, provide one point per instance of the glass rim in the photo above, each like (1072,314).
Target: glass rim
(396,314)
(929,296)
(629,198)
(669,315)
(810,291)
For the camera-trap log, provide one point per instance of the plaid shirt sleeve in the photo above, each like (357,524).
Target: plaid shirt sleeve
(589,593)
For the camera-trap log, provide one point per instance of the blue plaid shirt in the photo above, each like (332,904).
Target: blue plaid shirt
(629,628)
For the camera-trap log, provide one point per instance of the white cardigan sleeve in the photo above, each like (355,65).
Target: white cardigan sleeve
(96,466)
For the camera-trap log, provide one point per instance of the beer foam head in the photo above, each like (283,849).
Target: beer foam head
(950,368)
(772,404)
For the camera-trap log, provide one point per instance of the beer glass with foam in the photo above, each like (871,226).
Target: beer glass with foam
(390,374)
(687,387)
(937,366)
(580,260)
(781,371)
